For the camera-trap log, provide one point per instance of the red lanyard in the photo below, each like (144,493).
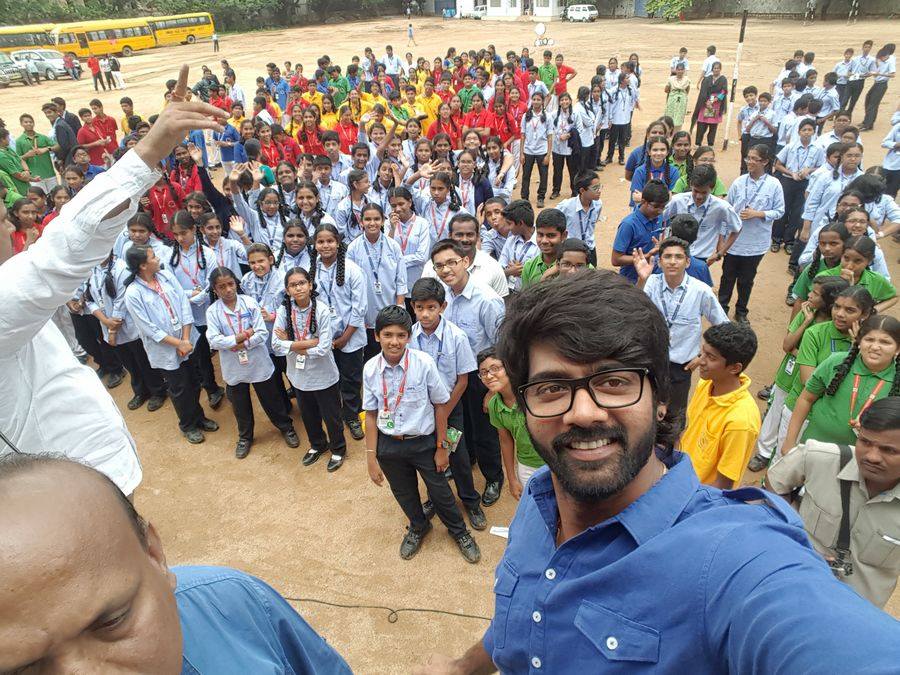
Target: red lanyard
(220,253)
(196,274)
(160,202)
(404,240)
(237,313)
(440,232)
(465,186)
(271,153)
(183,179)
(301,336)
(157,288)
(868,402)
(402,387)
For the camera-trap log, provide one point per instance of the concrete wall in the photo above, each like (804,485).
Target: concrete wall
(836,9)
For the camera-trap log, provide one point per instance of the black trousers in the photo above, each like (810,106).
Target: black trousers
(745,148)
(90,337)
(184,390)
(681,387)
(146,381)
(481,436)
(892,177)
(854,89)
(269,399)
(280,363)
(597,149)
(873,100)
(372,348)
(585,161)
(572,163)
(109,80)
(709,130)
(350,367)
(460,462)
(98,77)
(530,161)
(740,269)
(201,359)
(323,406)
(785,228)
(843,91)
(402,461)
(616,140)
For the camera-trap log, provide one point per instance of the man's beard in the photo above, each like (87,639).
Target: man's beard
(593,481)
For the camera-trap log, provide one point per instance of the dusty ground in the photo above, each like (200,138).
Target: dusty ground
(335,537)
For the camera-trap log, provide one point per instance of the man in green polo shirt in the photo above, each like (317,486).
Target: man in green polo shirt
(467,92)
(12,164)
(35,148)
(338,85)
(547,71)
(520,459)
(550,234)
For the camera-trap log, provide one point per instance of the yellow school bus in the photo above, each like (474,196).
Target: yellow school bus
(181,28)
(117,36)
(23,37)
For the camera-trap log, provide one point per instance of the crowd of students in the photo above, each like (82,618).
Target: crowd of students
(374,221)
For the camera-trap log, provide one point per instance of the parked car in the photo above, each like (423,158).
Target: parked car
(582,13)
(479,12)
(49,62)
(11,70)
(4,80)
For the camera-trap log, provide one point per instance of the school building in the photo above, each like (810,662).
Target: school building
(500,9)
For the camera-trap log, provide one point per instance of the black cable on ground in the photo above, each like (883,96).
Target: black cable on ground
(393,614)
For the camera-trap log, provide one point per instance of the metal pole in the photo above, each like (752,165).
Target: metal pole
(734,79)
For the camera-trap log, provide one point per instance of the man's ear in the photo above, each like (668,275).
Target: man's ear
(157,555)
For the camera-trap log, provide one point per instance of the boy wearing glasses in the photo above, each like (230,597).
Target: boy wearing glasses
(446,343)
(406,425)
(723,418)
(478,311)
(520,459)
(683,301)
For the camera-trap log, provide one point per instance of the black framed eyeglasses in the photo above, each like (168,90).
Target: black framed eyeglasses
(610,389)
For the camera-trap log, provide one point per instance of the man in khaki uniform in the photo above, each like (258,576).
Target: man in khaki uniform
(874,474)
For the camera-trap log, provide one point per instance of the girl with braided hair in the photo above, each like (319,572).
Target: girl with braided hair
(410,232)
(655,167)
(303,333)
(859,254)
(265,218)
(342,288)
(105,298)
(444,202)
(229,252)
(849,199)
(846,384)
(294,251)
(191,263)
(349,210)
(309,206)
(235,327)
(472,187)
(829,250)
(141,230)
(286,185)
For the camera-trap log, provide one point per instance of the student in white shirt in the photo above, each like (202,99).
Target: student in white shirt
(521,245)
(681,57)
(891,163)
(229,252)
(583,211)
(843,70)
(707,67)
(885,69)
(235,327)
(793,165)
(623,101)
(862,68)
(537,145)
(410,231)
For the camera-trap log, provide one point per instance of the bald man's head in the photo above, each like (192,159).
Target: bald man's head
(85,586)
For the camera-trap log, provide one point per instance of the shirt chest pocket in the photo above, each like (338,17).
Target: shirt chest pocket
(504,585)
(821,524)
(880,546)
(616,637)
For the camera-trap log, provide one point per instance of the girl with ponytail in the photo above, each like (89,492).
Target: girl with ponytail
(235,327)
(265,217)
(443,204)
(229,252)
(286,185)
(303,334)
(350,208)
(341,286)
(846,384)
(191,263)
(829,250)
(859,254)
(500,169)
(848,200)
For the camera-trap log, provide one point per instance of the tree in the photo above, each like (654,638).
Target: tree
(669,9)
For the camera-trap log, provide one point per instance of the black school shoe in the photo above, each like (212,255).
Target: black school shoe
(209,425)
(356,430)
(469,549)
(242,449)
(412,542)
(335,463)
(764,393)
(194,436)
(136,402)
(491,493)
(476,517)
(311,457)
(216,398)
(155,403)
(114,380)
(290,437)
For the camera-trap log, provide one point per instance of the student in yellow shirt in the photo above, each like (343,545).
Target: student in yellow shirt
(374,96)
(429,102)
(311,96)
(127,108)
(722,417)
(328,119)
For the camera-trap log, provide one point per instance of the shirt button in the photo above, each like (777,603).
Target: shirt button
(550,574)
(536,662)
(536,616)
(611,643)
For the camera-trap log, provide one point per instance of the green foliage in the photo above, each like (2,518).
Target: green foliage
(669,9)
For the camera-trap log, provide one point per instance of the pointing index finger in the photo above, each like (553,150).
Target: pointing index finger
(181,86)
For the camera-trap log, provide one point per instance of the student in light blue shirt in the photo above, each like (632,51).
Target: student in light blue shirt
(478,311)
(639,229)
(863,67)
(844,70)
(235,328)
(228,252)
(823,194)
(410,231)
(521,244)
(381,260)
(141,230)
(331,191)
(684,226)
(405,401)
(495,229)
(583,211)
(830,99)
(891,163)
(448,345)
(757,197)
(718,223)
(303,333)
(537,146)
(191,263)
(262,213)
(439,205)
(348,214)
(794,164)
(294,251)
(161,311)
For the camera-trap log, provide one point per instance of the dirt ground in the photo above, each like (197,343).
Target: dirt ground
(335,537)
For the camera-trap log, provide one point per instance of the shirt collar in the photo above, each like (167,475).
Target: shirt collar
(438,332)
(665,284)
(850,472)
(859,368)
(384,365)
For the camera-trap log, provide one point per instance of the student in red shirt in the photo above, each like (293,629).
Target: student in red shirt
(93,64)
(445,124)
(297,79)
(185,174)
(106,124)
(503,124)
(161,202)
(478,118)
(219,98)
(59,197)
(92,138)
(310,136)
(566,74)
(290,149)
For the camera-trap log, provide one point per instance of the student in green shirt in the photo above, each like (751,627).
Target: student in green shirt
(547,71)
(338,85)
(467,92)
(705,154)
(12,164)
(816,310)
(35,148)
(520,459)
(859,252)
(828,254)
(550,233)
(844,385)
(8,192)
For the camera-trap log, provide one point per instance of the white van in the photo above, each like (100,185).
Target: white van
(582,13)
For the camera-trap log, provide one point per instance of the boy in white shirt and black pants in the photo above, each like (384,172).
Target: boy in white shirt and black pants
(623,102)
(537,134)
(406,428)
